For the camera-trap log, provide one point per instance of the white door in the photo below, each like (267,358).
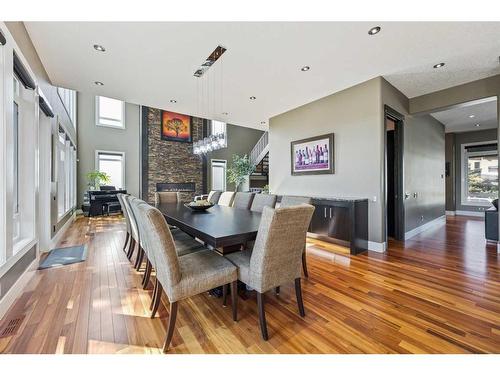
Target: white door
(219,175)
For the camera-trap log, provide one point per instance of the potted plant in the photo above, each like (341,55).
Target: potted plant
(239,172)
(96,179)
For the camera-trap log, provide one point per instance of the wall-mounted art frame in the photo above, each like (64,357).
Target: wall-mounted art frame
(176,127)
(312,156)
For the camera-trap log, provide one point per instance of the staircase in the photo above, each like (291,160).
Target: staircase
(259,156)
(260,150)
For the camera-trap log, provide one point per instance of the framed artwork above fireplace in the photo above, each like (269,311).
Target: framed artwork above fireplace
(176,127)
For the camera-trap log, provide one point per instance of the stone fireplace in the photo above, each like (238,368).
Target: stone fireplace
(169,165)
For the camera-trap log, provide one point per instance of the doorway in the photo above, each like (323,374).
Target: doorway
(218,174)
(394,189)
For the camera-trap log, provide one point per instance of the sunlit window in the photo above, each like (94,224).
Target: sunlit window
(110,112)
(113,164)
(481,176)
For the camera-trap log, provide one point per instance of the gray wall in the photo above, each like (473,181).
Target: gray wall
(355,116)
(460,139)
(424,164)
(92,137)
(450,179)
(240,140)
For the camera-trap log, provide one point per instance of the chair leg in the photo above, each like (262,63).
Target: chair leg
(304,263)
(171,326)
(224,295)
(262,316)
(234,299)
(140,257)
(153,296)
(277,290)
(157,301)
(127,238)
(147,274)
(298,293)
(131,248)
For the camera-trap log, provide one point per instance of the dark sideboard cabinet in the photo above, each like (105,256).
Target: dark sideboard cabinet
(343,221)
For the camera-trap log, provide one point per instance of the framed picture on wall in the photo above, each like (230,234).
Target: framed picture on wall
(313,155)
(176,127)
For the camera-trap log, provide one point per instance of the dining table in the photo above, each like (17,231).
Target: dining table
(223,228)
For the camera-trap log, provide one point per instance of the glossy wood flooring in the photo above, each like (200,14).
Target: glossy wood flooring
(439,293)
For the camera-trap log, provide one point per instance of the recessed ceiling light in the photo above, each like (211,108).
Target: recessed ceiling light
(374,30)
(440,65)
(99,83)
(253,98)
(477,125)
(472,116)
(305,68)
(225,113)
(173,101)
(99,48)
(262,122)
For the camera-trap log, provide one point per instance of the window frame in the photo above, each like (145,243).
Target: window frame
(464,171)
(122,154)
(16,165)
(98,117)
(222,164)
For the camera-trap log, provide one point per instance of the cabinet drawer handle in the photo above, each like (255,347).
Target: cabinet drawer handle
(325,212)
(330,212)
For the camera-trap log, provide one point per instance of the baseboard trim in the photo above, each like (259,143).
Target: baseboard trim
(379,247)
(54,240)
(451,213)
(17,288)
(470,213)
(422,228)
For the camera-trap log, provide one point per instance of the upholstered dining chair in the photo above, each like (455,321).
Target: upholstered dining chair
(243,200)
(166,197)
(127,220)
(213,196)
(226,198)
(276,256)
(185,276)
(289,201)
(184,244)
(134,232)
(262,200)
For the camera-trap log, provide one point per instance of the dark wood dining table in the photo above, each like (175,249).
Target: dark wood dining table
(223,228)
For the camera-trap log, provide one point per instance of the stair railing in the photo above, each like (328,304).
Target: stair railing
(256,155)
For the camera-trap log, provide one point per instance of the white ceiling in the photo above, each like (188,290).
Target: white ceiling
(458,119)
(152,63)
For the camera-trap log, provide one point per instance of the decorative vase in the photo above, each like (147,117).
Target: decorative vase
(244,185)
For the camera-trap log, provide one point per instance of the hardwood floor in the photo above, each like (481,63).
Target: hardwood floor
(438,293)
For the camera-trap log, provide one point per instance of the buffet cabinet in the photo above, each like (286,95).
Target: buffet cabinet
(342,221)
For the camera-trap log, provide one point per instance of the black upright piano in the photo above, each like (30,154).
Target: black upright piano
(103,202)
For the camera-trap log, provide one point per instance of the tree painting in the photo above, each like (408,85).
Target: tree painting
(175,127)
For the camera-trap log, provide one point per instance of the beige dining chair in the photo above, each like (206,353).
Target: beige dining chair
(184,244)
(128,229)
(134,233)
(167,197)
(276,256)
(226,198)
(262,200)
(185,276)
(289,201)
(243,200)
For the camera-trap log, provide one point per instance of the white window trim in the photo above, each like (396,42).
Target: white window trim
(463,200)
(97,152)
(97,117)
(225,172)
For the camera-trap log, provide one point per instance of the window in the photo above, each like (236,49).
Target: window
(113,164)
(480,175)
(109,112)
(66,166)
(218,127)
(15,157)
(68,99)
